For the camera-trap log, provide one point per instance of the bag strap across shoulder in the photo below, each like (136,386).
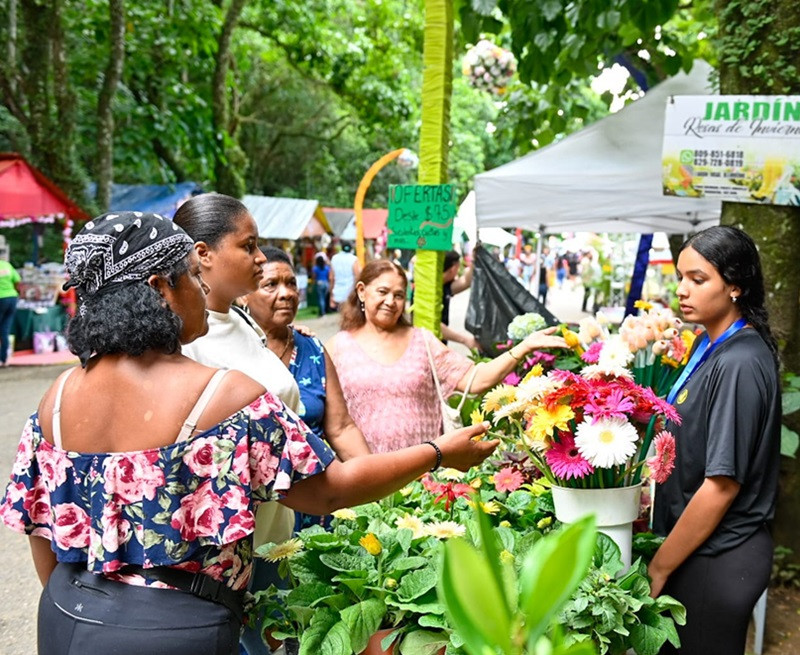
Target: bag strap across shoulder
(438,385)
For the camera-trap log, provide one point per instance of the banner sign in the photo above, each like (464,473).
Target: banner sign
(735,148)
(421,216)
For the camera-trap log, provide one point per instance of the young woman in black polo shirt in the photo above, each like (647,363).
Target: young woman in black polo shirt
(715,507)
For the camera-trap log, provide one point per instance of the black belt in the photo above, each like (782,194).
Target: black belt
(197,584)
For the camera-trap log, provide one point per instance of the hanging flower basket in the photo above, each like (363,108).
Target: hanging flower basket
(489,67)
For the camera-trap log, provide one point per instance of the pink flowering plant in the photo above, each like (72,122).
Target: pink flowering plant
(586,430)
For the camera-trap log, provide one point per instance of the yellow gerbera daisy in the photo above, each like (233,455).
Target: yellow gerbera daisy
(544,421)
(371,544)
(345,514)
(501,395)
(490,507)
(284,550)
(476,417)
(545,522)
(476,483)
(535,372)
(506,557)
(643,304)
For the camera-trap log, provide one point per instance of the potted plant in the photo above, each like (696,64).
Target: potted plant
(366,575)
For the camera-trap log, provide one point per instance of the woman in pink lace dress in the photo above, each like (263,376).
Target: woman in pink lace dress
(384,368)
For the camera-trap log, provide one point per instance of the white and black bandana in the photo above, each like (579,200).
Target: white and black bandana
(123,247)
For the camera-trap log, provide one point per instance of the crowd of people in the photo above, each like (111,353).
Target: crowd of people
(143,506)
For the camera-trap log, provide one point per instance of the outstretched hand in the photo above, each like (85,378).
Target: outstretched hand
(543,339)
(464,448)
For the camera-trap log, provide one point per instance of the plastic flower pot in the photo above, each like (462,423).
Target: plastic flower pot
(615,511)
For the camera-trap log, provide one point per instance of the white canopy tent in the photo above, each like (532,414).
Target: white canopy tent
(605,178)
(286,218)
(466,222)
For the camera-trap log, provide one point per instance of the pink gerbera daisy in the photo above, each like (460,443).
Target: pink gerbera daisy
(565,461)
(664,461)
(613,404)
(507,479)
(592,355)
(512,379)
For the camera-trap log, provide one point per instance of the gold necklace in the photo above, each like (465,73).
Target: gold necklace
(289,342)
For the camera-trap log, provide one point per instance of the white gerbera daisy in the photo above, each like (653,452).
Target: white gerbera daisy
(445,529)
(450,474)
(596,371)
(283,550)
(615,353)
(413,523)
(607,442)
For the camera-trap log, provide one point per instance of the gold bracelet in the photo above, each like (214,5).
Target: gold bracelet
(514,357)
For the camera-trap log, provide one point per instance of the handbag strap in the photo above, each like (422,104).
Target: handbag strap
(470,380)
(436,377)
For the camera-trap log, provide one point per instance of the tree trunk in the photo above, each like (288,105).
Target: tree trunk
(50,102)
(761,29)
(105,111)
(231,162)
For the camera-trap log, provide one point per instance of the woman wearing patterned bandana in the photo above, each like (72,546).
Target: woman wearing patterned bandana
(137,478)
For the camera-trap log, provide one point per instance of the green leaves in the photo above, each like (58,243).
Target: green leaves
(362,620)
(552,570)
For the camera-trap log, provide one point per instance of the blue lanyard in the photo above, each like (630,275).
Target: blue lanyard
(700,355)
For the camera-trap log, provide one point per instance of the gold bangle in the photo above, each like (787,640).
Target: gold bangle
(514,357)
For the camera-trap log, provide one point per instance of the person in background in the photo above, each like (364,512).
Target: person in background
(321,278)
(590,275)
(716,507)
(9,294)
(562,269)
(545,269)
(379,356)
(345,268)
(528,259)
(274,307)
(452,284)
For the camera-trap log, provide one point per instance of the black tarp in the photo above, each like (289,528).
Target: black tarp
(496,298)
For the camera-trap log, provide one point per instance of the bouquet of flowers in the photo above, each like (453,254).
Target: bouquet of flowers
(489,67)
(653,345)
(587,430)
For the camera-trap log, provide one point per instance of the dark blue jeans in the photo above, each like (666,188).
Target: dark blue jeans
(8,307)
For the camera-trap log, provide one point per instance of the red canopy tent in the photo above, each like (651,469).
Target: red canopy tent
(27,196)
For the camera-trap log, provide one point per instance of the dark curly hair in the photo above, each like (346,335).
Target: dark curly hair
(129,318)
(735,256)
(352,316)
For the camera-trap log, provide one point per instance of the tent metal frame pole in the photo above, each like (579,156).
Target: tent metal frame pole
(538,269)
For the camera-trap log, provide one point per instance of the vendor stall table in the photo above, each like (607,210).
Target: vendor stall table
(51,318)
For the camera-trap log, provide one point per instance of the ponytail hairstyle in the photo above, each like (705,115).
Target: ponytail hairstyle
(209,217)
(733,253)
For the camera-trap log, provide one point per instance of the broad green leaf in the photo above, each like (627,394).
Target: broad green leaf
(408,563)
(351,564)
(416,583)
(675,607)
(337,641)
(433,621)
(422,642)
(324,542)
(552,570)
(475,602)
(789,442)
(606,555)
(356,585)
(646,639)
(430,607)
(362,620)
(321,623)
(790,402)
(308,594)
(492,552)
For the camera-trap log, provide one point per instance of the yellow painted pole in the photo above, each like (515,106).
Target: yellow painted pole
(359,202)
(437,84)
